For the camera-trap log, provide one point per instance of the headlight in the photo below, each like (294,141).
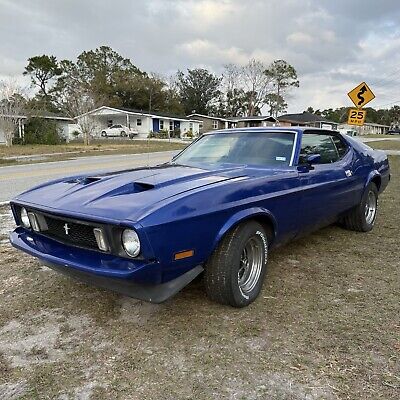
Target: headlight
(24,218)
(131,242)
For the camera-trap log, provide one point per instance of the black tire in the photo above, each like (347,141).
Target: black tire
(104,134)
(223,269)
(123,134)
(358,219)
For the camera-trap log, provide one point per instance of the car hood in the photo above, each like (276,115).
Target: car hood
(123,194)
(128,194)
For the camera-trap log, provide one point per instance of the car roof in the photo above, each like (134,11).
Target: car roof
(266,129)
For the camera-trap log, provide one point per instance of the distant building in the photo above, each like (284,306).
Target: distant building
(64,124)
(140,121)
(306,119)
(209,123)
(366,129)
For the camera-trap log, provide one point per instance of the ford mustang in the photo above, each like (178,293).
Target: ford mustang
(216,209)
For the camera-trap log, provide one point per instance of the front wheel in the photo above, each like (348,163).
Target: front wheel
(362,217)
(235,272)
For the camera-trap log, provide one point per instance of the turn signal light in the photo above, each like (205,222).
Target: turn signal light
(100,239)
(34,222)
(183,254)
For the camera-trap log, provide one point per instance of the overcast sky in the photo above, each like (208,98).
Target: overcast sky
(334,45)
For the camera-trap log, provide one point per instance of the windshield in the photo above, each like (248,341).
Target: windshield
(253,148)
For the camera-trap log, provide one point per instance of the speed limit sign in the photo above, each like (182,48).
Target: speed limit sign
(356,117)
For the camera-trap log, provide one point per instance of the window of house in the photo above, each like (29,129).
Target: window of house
(139,122)
(215,124)
(161,125)
(318,144)
(201,126)
(171,126)
(191,126)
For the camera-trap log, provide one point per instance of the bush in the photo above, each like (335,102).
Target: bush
(189,134)
(42,131)
(159,135)
(176,133)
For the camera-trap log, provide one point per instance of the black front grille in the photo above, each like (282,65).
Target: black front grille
(70,232)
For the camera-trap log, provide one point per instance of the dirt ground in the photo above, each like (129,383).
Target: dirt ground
(326,326)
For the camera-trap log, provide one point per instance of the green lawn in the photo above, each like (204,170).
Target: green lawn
(385,145)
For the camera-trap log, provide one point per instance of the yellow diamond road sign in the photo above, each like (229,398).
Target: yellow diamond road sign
(361,95)
(356,116)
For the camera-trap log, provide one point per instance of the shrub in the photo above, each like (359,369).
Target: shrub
(189,134)
(176,133)
(42,131)
(159,135)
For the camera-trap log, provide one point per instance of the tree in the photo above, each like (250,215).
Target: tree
(81,109)
(257,85)
(232,102)
(102,72)
(43,70)
(199,90)
(76,100)
(12,107)
(283,76)
(277,104)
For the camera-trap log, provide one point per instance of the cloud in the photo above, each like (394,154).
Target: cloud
(333,45)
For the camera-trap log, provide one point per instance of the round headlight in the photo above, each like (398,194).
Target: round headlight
(131,242)
(24,218)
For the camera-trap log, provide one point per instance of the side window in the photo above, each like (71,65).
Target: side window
(318,144)
(341,146)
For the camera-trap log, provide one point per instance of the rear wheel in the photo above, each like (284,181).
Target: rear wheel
(235,272)
(104,134)
(123,134)
(362,217)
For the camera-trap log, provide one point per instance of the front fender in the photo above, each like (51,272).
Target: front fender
(240,216)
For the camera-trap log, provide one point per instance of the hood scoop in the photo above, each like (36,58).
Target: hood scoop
(85,181)
(142,186)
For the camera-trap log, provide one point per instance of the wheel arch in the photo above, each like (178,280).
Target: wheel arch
(374,177)
(261,215)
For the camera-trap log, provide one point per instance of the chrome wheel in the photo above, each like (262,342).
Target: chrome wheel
(251,264)
(370,207)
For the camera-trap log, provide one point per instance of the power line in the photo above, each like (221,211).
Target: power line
(384,78)
(388,104)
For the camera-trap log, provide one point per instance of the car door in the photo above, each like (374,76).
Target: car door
(327,187)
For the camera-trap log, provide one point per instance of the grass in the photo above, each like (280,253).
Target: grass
(326,326)
(385,145)
(374,135)
(66,151)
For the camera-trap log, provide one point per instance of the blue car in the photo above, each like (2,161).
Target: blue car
(216,209)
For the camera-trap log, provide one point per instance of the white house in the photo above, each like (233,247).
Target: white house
(65,125)
(367,128)
(142,122)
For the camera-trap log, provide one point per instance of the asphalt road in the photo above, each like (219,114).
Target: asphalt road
(17,178)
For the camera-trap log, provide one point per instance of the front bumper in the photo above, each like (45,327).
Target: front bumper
(135,278)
